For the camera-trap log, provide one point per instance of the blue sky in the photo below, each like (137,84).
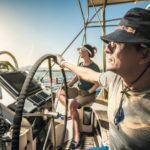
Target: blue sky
(31,28)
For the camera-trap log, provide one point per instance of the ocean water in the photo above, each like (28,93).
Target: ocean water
(57,79)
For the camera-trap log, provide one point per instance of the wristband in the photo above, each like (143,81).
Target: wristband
(61,64)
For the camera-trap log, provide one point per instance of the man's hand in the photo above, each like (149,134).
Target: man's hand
(59,60)
(84,93)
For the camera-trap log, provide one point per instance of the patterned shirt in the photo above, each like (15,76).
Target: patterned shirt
(133,130)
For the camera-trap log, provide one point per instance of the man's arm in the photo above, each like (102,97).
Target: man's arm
(84,73)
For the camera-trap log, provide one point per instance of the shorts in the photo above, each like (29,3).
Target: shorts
(74,93)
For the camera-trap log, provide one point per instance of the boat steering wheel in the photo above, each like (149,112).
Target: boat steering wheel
(23,94)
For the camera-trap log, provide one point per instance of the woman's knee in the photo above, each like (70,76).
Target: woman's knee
(73,105)
(58,92)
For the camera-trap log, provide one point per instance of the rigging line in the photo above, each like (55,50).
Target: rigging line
(87,11)
(83,20)
(102,26)
(96,13)
(116,19)
(72,41)
(85,35)
(85,23)
(64,51)
(81,11)
(79,33)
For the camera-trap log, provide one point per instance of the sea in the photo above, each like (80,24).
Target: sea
(57,78)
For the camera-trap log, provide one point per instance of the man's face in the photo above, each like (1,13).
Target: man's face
(123,58)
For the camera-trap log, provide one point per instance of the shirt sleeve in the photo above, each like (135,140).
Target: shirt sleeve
(105,79)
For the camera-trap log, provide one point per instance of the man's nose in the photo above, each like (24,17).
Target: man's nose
(107,50)
(110,48)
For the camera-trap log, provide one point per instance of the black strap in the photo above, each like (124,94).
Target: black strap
(118,113)
(139,76)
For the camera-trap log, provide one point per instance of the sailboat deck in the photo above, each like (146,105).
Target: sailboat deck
(88,140)
(103,123)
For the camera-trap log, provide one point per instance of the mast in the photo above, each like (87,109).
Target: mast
(103,33)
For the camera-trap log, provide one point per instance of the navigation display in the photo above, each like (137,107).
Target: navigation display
(15,80)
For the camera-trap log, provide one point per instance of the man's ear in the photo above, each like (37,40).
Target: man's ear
(145,56)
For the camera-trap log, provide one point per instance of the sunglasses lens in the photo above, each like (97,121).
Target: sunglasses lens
(81,50)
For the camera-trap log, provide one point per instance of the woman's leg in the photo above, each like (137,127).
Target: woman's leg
(73,106)
(72,93)
(62,96)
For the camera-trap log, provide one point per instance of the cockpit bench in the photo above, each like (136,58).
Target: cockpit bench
(102,120)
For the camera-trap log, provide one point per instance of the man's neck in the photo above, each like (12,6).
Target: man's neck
(142,83)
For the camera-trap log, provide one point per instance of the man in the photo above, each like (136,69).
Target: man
(127,82)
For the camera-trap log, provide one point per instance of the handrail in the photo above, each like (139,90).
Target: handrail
(14,59)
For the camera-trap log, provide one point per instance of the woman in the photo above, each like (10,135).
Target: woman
(83,94)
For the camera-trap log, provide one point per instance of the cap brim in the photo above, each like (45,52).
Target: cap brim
(121,36)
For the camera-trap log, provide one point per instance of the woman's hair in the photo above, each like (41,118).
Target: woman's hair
(92,49)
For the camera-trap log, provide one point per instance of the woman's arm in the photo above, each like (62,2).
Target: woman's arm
(93,88)
(73,81)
